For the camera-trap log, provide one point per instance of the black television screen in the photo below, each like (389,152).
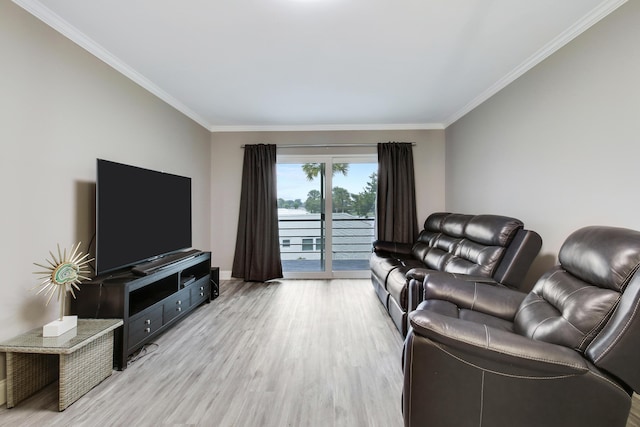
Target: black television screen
(140,214)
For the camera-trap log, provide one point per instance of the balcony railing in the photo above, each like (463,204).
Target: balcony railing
(302,242)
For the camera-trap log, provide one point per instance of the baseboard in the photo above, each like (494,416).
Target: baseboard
(3,392)
(225,275)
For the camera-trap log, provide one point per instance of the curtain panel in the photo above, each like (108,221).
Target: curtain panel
(257,254)
(396,200)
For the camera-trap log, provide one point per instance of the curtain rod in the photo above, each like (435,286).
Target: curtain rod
(413,144)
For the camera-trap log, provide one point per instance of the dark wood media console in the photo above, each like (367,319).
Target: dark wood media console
(148,305)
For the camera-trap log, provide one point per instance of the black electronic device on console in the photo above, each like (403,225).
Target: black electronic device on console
(162,262)
(215,282)
(141,214)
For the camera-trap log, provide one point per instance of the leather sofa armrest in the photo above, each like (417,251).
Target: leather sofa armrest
(423,273)
(414,294)
(415,280)
(486,344)
(395,247)
(489,298)
(518,258)
(418,274)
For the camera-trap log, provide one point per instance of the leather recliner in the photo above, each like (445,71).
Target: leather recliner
(490,248)
(564,354)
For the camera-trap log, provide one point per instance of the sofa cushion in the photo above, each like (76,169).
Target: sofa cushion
(434,221)
(474,259)
(563,309)
(467,244)
(570,304)
(437,259)
(384,264)
(492,230)
(455,224)
(437,254)
(595,255)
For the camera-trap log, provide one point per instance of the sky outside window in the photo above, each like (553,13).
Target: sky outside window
(293,183)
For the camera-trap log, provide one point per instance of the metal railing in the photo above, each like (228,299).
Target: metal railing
(302,242)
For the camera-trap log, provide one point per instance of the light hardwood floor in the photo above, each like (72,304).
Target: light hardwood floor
(634,416)
(287,353)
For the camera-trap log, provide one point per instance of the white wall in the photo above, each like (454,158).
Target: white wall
(227,157)
(559,147)
(60,109)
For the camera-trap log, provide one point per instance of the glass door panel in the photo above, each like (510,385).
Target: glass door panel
(353,222)
(301,216)
(326,233)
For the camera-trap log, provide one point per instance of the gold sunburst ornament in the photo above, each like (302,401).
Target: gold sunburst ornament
(62,275)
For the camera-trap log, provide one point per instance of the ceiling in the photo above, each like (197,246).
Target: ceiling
(242,65)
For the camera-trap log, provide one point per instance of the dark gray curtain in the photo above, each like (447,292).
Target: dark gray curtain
(396,203)
(257,255)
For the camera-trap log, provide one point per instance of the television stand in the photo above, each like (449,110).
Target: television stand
(162,262)
(148,305)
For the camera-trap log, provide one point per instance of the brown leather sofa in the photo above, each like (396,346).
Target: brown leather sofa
(490,248)
(565,354)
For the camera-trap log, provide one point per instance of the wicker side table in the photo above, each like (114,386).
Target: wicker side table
(80,359)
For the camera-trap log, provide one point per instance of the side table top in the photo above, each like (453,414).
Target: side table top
(86,331)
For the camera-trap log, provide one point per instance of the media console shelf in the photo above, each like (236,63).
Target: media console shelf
(148,305)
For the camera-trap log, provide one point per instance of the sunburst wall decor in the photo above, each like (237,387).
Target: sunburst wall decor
(62,274)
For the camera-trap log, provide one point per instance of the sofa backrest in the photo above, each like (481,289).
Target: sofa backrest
(590,301)
(465,244)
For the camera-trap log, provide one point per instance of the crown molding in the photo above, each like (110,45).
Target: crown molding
(37,9)
(316,128)
(593,17)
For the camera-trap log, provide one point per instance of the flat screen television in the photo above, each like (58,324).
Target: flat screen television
(141,214)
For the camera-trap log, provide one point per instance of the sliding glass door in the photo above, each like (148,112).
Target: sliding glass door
(301,217)
(326,219)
